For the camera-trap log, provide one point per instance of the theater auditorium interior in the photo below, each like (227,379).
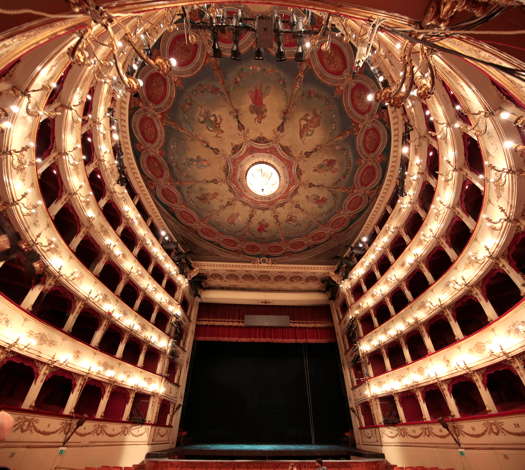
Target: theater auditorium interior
(262,236)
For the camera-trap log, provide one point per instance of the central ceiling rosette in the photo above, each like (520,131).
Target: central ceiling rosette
(197,132)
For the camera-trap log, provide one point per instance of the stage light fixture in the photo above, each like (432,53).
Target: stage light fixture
(235,52)
(215,48)
(258,54)
(299,53)
(280,55)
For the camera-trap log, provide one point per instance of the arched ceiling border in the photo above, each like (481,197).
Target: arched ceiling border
(388,186)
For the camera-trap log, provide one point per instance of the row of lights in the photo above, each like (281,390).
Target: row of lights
(24,342)
(400,327)
(500,346)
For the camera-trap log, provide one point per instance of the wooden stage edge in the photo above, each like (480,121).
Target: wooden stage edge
(262,452)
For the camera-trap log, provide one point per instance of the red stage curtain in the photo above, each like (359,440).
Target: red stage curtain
(316,314)
(264,334)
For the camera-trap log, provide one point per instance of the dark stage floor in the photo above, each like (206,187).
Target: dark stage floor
(261,451)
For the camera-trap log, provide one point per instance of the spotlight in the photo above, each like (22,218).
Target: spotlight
(299,53)
(258,54)
(215,48)
(235,53)
(280,55)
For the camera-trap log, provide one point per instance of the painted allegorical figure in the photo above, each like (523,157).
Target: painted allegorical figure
(257,95)
(308,124)
(211,120)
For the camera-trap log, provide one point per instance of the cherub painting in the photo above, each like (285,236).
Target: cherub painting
(328,165)
(211,121)
(262,226)
(207,197)
(197,162)
(318,200)
(308,124)
(232,218)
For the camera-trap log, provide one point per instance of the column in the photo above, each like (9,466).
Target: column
(449,399)
(32,295)
(151,265)
(404,347)
(448,249)
(138,301)
(520,370)
(360,415)
(367,366)
(386,359)
(129,404)
(73,244)
(58,204)
(487,306)
(153,409)
(426,273)
(390,306)
(420,211)
(140,362)
(154,314)
(408,294)
(171,414)
(122,345)
(353,379)
(104,401)
(137,248)
(483,391)
(469,221)
(121,284)
(99,264)
(161,365)
(358,326)
(72,318)
(404,235)
(104,200)
(73,396)
(453,324)
(376,411)
(374,319)
(426,339)
(513,274)
(400,410)
(422,405)
(95,341)
(34,390)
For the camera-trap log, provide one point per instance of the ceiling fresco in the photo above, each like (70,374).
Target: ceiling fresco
(197,132)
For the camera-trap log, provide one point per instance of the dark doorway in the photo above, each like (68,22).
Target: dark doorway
(257,393)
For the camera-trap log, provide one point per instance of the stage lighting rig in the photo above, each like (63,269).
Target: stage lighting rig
(267,29)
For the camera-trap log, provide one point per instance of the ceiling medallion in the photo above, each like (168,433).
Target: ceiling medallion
(262,174)
(262,179)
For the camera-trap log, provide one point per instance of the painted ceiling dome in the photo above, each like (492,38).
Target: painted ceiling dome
(202,134)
